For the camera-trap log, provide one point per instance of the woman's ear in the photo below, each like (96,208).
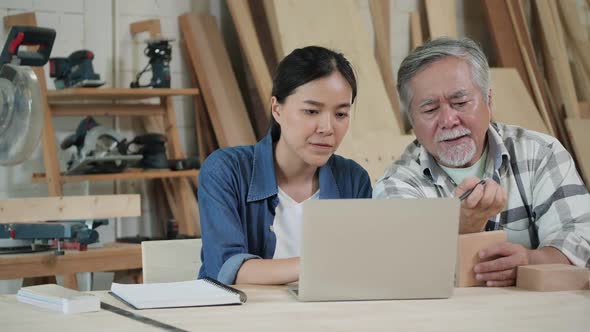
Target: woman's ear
(275,109)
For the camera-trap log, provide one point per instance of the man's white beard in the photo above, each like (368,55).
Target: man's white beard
(457,155)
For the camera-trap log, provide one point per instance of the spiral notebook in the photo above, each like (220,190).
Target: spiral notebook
(194,293)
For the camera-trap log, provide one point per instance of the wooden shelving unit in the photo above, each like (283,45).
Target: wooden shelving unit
(155,108)
(131,174)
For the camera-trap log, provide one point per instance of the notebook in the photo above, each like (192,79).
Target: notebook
(58,298)
(378,249)
(193,293)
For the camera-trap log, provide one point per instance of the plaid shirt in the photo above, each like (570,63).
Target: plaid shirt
(548,204)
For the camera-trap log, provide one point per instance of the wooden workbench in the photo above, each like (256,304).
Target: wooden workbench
(273,308)
(111,257)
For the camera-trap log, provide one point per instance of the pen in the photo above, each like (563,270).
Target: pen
(468,192)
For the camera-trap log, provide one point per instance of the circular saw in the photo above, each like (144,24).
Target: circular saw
(21,103)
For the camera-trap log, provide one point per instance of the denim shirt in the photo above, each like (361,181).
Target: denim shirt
(237,201)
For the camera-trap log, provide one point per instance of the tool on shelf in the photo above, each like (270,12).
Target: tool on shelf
(21,109)
(159,51)
(74,71)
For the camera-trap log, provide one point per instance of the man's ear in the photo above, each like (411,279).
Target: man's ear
(275,109)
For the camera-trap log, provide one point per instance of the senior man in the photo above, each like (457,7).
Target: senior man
(532,189)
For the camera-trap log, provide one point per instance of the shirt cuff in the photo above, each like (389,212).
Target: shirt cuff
(229,269)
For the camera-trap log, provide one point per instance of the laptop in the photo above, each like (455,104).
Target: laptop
(372,249)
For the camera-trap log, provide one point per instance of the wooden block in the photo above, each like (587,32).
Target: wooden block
(552,277)
(68,208)
(469,248)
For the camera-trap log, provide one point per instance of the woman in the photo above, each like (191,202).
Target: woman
(250,197)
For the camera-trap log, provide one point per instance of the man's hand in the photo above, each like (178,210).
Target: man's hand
(484,202)
(501,272)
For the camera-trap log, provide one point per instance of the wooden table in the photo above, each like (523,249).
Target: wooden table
(273,309)
(111,257)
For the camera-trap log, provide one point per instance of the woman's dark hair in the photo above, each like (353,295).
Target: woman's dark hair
(304,65)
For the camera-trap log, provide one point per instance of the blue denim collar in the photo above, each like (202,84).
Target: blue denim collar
(263,183)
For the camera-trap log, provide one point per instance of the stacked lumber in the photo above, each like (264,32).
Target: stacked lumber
(555,69)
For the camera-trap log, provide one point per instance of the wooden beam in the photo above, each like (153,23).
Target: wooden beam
(381,27)
(504,39)
(417,37)
(442,18)
(560,77)
(533,73)
(214,72)
(576,31)
(21,210)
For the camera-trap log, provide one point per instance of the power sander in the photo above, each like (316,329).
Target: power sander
(74,71)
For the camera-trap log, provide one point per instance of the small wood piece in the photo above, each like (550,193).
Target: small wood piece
(552,277)
(469,247)
(115,94)
(68,208)
(417,38)
(442,18)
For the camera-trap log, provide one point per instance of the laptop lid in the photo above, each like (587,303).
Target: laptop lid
(370,249)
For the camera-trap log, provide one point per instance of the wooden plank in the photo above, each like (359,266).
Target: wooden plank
(263,31)
(337,24)
(585,109)
(417,37)
(516,12)
(560,77)
(18,210)
(271,15)
(576,31)
(115,94)
(442,18)
(504,39)
(28,19)
(129,174)
(242,18)
(375,155)
(215,74)
(511,104)
(112,257)
(107,110)
(381,27)
(579,130)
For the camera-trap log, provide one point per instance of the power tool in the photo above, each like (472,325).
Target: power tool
(160,53)
(21,109)
(74,71)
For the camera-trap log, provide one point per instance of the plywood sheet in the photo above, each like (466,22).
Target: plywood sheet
(337,24)
(579,130)
(217,80)
(442,18)
(511,103)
